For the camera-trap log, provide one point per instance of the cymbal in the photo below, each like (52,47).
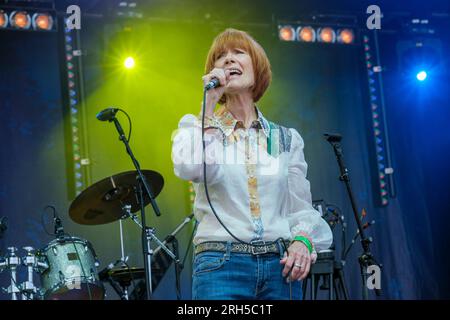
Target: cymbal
(124,274)
(103,201)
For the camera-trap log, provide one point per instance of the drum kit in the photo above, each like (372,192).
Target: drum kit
(68,266)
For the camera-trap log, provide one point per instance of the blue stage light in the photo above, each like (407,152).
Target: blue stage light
(421,75)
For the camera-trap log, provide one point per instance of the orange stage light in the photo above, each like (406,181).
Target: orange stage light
(286,33)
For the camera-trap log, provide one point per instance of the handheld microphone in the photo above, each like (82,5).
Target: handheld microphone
(213,83)
(107,114)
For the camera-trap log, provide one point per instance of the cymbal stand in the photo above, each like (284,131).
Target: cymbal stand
(151,236)
(126,209)
(186,220)
(123,258)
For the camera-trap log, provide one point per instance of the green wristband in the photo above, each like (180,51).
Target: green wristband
(305,241)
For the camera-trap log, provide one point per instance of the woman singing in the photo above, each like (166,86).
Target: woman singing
(268,232)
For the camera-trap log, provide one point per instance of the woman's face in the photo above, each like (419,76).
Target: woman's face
(238,68)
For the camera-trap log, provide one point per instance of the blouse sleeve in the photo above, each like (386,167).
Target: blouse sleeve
(187,151)
(303,218)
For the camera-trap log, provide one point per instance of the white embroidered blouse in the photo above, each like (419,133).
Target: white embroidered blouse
(256,180)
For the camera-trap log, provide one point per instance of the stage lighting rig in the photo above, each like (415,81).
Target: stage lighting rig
(310,33)
(306,34)
(28,15)
(20,20)
(3,19)
(42,21)
(345,36)
(286,33)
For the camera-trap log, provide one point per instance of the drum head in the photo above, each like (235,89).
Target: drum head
(58,242)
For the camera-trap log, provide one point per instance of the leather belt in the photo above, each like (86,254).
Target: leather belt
(256,247)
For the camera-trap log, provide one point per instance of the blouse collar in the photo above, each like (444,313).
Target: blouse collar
(224,120)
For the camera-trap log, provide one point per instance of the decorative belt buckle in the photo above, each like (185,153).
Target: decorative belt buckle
(258,244)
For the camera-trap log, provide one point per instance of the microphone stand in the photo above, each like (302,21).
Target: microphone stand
(142,189)
(3,226)
(366,259)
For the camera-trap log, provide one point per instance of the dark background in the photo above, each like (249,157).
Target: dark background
(316,89)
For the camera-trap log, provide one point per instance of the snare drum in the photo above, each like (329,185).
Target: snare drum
(72,271)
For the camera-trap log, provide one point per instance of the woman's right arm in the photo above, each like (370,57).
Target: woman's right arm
(187,149)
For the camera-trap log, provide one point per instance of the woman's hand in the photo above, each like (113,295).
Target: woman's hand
(213,95)
(299,261)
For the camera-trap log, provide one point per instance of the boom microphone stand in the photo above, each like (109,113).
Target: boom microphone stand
(366,259)
(142,190)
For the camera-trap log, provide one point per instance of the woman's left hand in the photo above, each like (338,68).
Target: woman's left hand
(299,261)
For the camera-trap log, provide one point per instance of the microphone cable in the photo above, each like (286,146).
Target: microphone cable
(129,123)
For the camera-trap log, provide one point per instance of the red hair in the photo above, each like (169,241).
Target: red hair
(232,38)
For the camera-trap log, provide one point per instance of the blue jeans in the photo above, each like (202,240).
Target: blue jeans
(241,276)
